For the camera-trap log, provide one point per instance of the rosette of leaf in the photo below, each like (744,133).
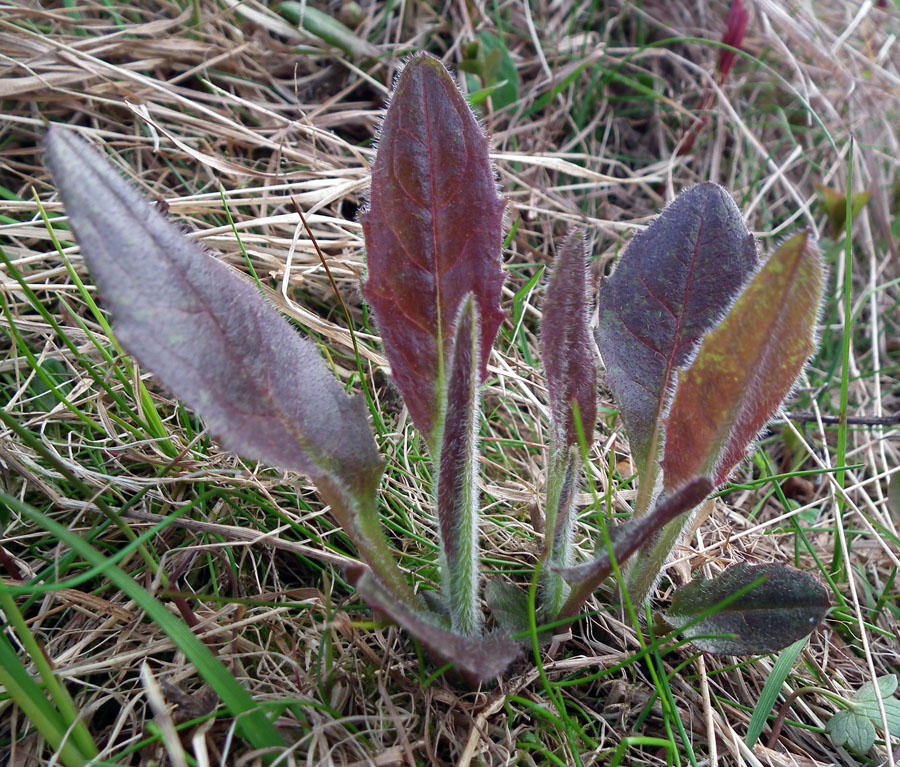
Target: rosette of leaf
(701,346)
(262,390)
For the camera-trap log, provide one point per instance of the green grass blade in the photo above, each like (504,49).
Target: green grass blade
(837,558)
(68,711)
(772,689)
(29,697)
(252,723)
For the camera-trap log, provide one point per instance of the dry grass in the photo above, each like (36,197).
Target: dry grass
(242,106)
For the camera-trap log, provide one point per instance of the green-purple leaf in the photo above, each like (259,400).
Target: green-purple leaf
(786,605)
(567,347)
(627,539)
(211,338)
(478,658)
(670,288)
(433,235)
(745,367)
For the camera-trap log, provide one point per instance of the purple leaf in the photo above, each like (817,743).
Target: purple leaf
(672,285)
(567,347)
(783,608)
(457,491)
(215,343)
(477,658)
(433,235)
(745,367)
(627,539)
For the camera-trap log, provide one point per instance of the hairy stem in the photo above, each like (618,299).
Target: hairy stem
(359,518)
(644,570)
(457,489)
(628,539)
(562,476)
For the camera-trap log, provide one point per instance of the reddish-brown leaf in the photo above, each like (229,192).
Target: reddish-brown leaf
(735,28)
(433,234)
(627,539)
(745,367)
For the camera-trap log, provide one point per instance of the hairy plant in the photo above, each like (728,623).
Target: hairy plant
(701,345)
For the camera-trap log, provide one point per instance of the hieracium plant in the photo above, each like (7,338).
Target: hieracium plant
(700,342)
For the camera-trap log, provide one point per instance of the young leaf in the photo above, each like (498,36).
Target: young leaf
(672,285)
(865,703)
(433,235)
(495,67)
(847,728)
(735,28)
(856,727)
(745,367)
(567,348)
(477,658)
(212,339)
(569,360)
(627,539)
(509,605)
(457,491)
(887,686)
(786,605)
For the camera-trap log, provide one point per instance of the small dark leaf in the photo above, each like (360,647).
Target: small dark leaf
(435,602)
(478,658)
(786,605)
